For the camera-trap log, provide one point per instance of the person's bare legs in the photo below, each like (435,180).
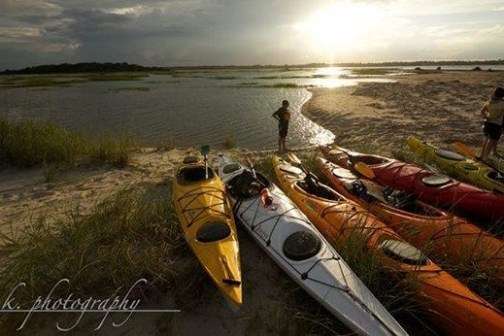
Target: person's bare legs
(485,148)
(283,145)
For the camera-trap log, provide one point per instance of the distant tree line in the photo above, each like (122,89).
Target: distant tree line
(126,67)
(81,68)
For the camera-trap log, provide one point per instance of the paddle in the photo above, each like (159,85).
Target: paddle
(365,170)
(469,152)
(294,158)
(204,150)
(466,150)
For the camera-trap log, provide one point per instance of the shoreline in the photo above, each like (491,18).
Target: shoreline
(439,107)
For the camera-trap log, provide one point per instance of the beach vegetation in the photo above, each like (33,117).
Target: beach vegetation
(373,71)
(115,76)
(225,77)
(230,141)
(44,81)
(28,144)
(138,88)
(165,144)
(131,235)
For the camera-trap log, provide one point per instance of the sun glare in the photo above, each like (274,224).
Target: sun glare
(345,26)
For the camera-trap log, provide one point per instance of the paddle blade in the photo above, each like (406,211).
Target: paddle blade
(294,158)
(365,170)
(204,150)
(464,149)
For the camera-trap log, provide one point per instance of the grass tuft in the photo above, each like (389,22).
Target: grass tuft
(28,144)
(129,236)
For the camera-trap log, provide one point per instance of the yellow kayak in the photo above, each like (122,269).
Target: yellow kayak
(206,218)
(458,166)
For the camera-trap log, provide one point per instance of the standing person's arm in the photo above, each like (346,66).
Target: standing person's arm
(484,111)
(275,115)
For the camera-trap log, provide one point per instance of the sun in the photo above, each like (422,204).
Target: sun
(345,26)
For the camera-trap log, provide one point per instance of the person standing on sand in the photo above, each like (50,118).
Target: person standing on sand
(283,116)
(493,115)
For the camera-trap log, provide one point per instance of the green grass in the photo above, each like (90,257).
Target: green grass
(27,144)
(372,71)
(38,81)
(129,236)
(139,89)
(230,141)
(274,86)
(115,76)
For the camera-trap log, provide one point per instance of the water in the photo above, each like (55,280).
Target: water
(196,108)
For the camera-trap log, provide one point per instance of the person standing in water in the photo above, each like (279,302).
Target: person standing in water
(493,115)
(283,116)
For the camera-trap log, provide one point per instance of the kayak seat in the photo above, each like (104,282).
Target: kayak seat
(301,245)
(445,154)
(246,185)
(213,231)
(358,189)
(398,199)
(320,190)
(193,174)
(403,252)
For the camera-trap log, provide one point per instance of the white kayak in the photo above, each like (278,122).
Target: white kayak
(290,239)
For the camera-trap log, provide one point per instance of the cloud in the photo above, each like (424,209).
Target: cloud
(195,32)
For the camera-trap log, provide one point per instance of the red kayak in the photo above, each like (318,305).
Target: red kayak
(479,204)
(442,235)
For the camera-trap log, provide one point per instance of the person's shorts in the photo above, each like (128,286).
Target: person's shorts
(282,131)
(492,131)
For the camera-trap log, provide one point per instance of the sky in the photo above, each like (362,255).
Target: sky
(247,32)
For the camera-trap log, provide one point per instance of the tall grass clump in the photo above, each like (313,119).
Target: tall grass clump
(28,144)
(230,141)
(115,151)
(129,236)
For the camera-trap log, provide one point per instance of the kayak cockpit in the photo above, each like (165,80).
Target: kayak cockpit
(246,185)
(213,231)
(192,174)
(301,245)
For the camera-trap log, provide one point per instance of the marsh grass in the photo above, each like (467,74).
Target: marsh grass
(114,151)
(129,236)
(138,89)
(115,76)
(372,71)
(165,144)
(39,81)
(27,144)
(230,141)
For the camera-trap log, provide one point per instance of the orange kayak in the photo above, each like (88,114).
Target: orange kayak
(442,235)
(451,305)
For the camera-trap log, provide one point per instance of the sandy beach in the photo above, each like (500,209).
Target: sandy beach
(440,107)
